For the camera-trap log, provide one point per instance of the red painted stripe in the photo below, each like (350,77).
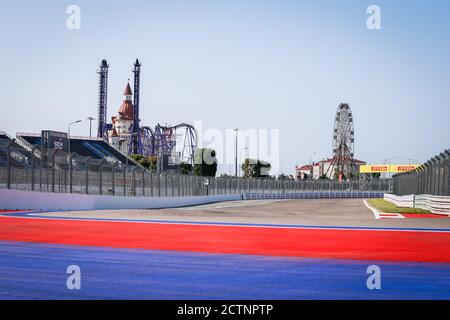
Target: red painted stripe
(319,243)
(424,215)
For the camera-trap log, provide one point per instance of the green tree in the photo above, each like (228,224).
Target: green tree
(153,163)
(283,176)
(149,163)
(205,162)
(225,176)
(255,168)
(185,168)
(137,157)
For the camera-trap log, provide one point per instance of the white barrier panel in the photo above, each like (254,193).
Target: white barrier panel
(436,204)
(29,200)
(400,201)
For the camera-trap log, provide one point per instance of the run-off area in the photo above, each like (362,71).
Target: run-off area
(312,249)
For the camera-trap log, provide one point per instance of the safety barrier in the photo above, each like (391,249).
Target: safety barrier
(313,195)
(29,200)
(400,201)
(432,177)
(436,204)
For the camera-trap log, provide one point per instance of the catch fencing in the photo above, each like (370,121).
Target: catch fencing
(55,171)
(431,178)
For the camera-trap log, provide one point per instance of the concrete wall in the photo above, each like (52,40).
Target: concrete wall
(436,204)
(28,200)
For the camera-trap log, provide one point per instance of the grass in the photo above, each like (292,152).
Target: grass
(389,207)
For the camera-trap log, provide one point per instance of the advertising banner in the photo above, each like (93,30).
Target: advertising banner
(382,168)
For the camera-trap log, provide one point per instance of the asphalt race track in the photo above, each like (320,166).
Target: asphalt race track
(299,249)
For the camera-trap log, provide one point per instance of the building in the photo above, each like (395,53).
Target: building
(119,136)
(303,172)
(323,168)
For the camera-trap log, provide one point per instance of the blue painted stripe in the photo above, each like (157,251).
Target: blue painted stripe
(38,271)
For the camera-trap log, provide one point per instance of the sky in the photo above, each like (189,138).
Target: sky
(262,65)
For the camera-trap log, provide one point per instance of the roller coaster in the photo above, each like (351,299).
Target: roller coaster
(179,140)
(164,140)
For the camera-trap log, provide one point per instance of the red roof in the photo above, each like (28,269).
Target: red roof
(127,91)
(329,160)
(126,110)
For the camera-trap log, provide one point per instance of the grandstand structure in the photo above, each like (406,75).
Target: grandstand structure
(19,155)
(95,148)
(33,161)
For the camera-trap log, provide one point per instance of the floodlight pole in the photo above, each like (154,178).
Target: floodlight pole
(69,158)
(236,153)
(68,133)
(90,119)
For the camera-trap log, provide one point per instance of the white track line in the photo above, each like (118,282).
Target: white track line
(383,215)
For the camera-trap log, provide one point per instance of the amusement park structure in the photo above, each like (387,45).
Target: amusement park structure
(343,162)
(102,98)
(136,139)
(171,143)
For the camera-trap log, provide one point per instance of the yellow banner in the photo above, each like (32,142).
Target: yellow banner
(382,168)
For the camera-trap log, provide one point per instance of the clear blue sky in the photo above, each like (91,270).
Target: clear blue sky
(247,64)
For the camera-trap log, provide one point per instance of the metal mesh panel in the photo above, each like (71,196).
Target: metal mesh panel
(433,177)
(54,171)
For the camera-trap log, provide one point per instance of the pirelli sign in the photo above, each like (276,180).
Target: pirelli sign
(393,168)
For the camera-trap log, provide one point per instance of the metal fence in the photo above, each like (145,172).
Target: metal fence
(317,194)
(432,177)
(54,171)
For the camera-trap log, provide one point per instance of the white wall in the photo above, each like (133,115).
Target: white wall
(29,200)
(400,201)
(436,204)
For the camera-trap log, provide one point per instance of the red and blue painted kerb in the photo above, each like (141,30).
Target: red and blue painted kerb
(183,260)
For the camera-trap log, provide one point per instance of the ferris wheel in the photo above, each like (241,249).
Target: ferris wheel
(343,142)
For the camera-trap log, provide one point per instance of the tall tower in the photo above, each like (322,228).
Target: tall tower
(102,99)
(136,137)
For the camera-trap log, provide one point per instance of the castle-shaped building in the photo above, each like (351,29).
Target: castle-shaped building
(119,136)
